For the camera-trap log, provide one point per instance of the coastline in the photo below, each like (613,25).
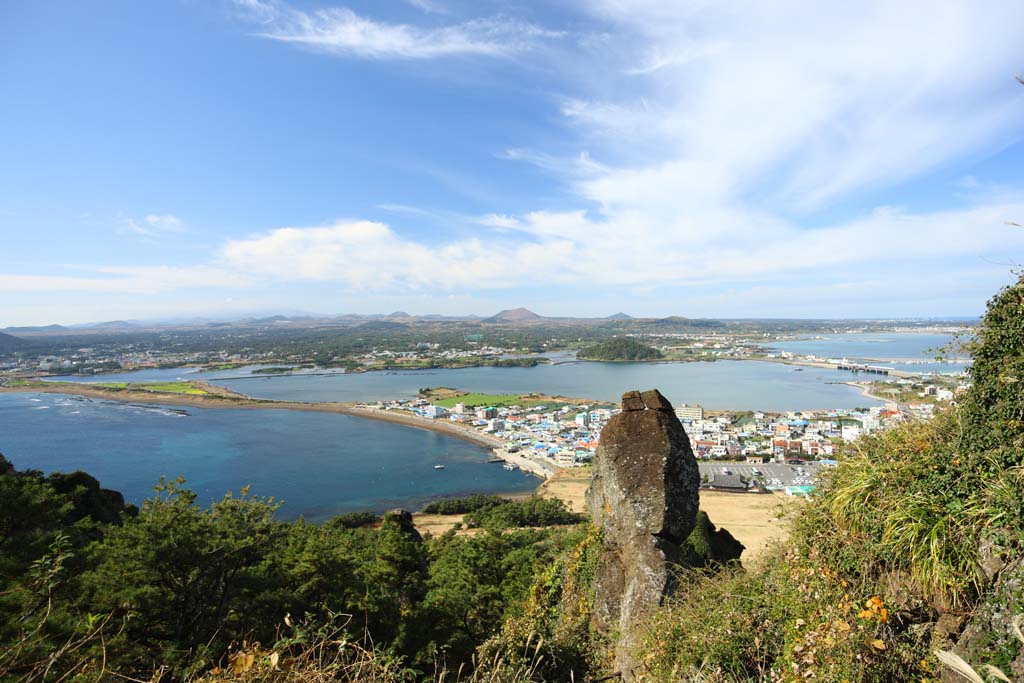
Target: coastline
(240,401)
(865,390)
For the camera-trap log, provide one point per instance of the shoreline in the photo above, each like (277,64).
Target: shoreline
(242,402)
(865,390)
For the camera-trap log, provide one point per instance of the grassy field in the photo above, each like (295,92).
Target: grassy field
(474,400)
(187,388)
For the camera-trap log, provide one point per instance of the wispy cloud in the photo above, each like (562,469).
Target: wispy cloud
(801,107)
(429,6)
(153,225)
(134,279)
(340,31)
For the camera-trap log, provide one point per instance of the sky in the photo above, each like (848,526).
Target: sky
(220,158)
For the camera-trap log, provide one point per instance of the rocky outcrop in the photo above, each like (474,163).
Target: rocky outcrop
(989,629)
(644,496)
(709,546)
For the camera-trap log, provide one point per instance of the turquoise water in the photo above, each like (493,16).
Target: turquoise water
(321,464)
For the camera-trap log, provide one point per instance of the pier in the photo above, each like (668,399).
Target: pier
(527,464)
(859,367)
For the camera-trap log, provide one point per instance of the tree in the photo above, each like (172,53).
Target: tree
(179,570)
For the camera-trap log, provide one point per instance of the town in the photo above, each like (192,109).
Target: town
(737,451)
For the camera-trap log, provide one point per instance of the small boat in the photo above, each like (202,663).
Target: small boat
(509,466)
(438,467)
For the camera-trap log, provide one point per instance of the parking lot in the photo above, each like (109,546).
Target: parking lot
(770,473)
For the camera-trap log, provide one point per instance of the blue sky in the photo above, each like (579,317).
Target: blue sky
(721,159)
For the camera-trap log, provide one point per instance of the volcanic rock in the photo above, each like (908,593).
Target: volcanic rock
(644,495)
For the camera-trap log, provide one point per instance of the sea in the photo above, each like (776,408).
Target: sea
(912,352)
(319,464)
(738,385)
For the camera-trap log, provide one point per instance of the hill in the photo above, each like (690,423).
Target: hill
(513,315)
(39,328)
(620,348)
(10,343)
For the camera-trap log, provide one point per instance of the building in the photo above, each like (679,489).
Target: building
(688,412)
(434,412)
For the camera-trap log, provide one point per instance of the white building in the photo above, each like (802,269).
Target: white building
(688,412)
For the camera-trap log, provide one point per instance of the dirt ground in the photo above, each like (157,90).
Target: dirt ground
(436,524)
(751,518)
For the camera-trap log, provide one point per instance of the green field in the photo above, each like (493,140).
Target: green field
(476,400)
(162,387)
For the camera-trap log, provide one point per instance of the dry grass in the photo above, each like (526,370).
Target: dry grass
(753,519)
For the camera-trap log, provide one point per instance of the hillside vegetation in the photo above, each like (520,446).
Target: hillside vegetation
(619,348)
(913,544)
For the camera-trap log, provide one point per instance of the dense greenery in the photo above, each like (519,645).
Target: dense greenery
(620,348)
(460,506)
(532,512)
(501,513)
(174,585)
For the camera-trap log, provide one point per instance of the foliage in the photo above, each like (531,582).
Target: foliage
(183,589)
(993,409)
(532,512)
(707,546)
(460,506)
(619,348)
(558,612)
(353,520)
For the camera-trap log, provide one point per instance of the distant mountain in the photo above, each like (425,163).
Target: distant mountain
(399,314)
(29,330)
(269,320)
(10,343)
(514,315)
(382,325)
(112,325)
(619,316)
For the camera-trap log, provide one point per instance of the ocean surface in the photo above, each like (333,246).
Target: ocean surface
(320,464)
(739,385)
(913,352)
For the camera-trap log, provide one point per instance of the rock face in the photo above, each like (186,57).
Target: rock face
(644,495)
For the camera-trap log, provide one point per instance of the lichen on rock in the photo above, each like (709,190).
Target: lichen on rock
(644,496)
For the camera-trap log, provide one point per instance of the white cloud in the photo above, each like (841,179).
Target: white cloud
(341,31)
(135,279)
(572,249)
(801,104)
(428,6)
(153,225)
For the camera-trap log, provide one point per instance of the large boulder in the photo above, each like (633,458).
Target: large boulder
(644,495)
